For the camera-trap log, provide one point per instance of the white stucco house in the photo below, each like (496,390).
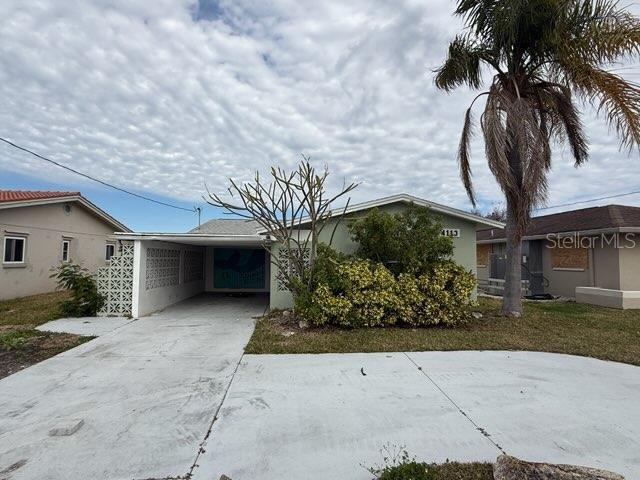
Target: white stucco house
(155,270)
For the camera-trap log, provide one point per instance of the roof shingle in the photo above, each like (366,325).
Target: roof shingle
(228,226)
(24,195)
(593,218)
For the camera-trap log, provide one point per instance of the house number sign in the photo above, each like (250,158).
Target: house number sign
(451,232)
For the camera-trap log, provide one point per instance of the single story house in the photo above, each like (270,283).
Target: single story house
(41,229)
(234,256)
(591,254)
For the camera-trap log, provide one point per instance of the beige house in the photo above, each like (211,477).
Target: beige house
(41,229)
(591,254)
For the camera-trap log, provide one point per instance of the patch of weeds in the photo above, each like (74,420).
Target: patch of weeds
(17,339)
(398,465)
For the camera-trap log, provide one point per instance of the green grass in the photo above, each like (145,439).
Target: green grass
(562,327)
(34,310)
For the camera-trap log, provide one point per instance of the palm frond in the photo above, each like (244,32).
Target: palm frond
(598,31)
(617,98)
(565,117)
(462,65)
(463,155)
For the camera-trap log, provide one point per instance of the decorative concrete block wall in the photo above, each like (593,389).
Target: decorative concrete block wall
(115,282)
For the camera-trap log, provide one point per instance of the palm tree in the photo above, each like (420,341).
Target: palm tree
(541,53)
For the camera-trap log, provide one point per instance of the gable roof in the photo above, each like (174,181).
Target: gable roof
(228,226)
(406,198)
(609,217)
(28,198)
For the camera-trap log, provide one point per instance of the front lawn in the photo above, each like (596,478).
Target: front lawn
(562,327)
(21,344)
(32,311)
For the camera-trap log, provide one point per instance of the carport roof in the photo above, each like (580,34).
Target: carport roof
(201,239)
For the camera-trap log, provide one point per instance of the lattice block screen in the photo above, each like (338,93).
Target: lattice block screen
(193,266)
(163,268)
(285,266)
(115,282)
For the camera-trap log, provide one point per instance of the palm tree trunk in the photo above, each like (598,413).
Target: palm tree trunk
(512,296)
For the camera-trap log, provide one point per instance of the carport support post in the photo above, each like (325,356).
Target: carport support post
(137,267)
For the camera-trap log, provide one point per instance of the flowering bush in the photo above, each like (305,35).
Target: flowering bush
(366,294)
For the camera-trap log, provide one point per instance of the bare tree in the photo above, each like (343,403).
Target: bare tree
(292,208)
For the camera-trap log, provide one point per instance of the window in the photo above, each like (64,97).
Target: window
(65,250)
(14,249)
(482,255)
(110,251)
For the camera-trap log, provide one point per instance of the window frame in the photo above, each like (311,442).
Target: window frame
(68,242)
(106,250)
(4,250)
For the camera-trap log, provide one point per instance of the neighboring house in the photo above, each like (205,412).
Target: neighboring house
(229,256)
(42,229)
(592,255)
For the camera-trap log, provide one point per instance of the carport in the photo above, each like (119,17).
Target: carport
(168,268)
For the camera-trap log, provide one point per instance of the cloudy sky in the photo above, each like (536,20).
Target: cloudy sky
(162,97)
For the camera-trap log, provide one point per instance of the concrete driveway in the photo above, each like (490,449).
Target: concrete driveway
(146,393)
(319,417)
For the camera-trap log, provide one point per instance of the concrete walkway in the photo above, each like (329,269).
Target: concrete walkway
(319,417)
(89,326)
(144,394)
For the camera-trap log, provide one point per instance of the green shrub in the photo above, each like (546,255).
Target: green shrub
(407,242)
(85,300)
(441,298)
(361,293)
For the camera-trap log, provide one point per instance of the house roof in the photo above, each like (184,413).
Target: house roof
(22,195)
(606,218)
(227,226)
(406,198)
(28,198)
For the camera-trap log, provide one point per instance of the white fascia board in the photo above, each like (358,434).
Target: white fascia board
(437,207)
(405,198)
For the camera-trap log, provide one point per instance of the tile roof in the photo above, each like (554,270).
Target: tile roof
(24,195)
(228,226)
(594,218)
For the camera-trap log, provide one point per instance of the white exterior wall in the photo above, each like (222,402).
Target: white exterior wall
(153,292)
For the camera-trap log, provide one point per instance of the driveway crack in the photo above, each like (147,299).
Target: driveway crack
(482,430)
(202,444)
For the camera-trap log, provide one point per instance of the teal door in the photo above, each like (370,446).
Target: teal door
(238,268)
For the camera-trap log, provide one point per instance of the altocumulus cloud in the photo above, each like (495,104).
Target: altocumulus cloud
(164,96)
